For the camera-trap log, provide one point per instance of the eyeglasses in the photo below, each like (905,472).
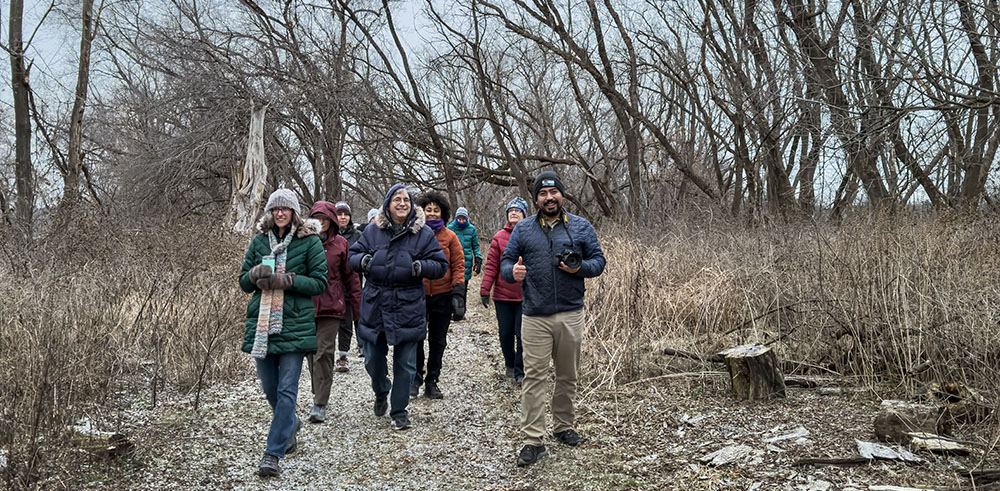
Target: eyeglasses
(400,199)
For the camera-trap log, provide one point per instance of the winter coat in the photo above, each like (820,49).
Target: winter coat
(349,232)
(343,287)
(392,300)
(455,275)
(470,245)
(306,258)
(502,289)
(547,289)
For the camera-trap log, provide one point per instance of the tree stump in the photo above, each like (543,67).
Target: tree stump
(754,372)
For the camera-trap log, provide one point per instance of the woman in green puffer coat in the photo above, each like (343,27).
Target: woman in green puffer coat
(284,267)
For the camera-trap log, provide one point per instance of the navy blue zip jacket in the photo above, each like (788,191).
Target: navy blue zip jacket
(392,300)
(547,289)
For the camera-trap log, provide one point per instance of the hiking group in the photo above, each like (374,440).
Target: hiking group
(305,275)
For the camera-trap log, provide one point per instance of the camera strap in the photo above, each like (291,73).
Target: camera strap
(565,223)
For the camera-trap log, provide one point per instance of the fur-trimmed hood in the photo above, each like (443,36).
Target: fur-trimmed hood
(414,223)
(309,226)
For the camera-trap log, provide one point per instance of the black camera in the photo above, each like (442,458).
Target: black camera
(569,257)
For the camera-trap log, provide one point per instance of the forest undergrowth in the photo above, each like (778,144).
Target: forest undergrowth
(97,319)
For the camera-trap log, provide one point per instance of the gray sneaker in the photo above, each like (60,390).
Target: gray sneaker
(268,466)
(510,372)
(400,423)
(317,414)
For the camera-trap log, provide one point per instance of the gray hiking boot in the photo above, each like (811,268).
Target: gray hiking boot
(317,414)
(268,466)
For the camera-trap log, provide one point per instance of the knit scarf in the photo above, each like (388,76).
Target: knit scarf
(435,224)
(272,302)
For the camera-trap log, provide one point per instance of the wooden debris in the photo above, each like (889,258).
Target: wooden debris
(693,421)
(808,382)
(106,443)
(754,372)
(869,452)
(920,368)
(985,476)
(874,451)
(937,444)
(965,404)
(830,461)
(799,432)
(727,455)
(693,356)
(896,418)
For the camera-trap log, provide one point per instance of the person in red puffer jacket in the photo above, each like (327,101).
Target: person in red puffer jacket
(340,300)
(506,296)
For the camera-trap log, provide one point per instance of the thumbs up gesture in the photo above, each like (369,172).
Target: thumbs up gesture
(520,271)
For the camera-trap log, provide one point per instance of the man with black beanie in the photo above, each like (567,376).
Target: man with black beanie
(551,254)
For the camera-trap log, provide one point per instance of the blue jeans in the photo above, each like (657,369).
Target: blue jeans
(279,377)
(404,366)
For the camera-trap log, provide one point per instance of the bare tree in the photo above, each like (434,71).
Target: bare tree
(23,171)
(75,163)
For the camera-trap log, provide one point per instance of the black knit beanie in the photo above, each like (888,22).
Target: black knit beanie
(547,179)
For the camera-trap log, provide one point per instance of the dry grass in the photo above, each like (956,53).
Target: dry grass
(870,298)
(96,319)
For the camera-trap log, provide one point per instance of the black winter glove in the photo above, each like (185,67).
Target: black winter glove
(258,272)
(486,300)
(366,263)
(458,302)
(415,269)
(477,265)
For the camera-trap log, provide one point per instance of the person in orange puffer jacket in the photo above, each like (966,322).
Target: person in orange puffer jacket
(439,295)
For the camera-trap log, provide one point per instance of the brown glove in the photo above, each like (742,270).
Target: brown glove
(279,281)
(259,271)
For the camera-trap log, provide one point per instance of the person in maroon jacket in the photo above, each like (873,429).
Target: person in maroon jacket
(506,296)
(343,292)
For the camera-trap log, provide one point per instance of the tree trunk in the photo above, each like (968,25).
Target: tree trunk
(71,180)
(248,193)
(23,172)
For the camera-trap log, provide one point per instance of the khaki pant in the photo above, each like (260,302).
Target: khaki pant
(321,364)
(556,337)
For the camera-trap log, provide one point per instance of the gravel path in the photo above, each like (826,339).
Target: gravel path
(467,440)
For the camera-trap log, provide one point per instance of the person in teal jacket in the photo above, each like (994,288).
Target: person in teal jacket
(469,238)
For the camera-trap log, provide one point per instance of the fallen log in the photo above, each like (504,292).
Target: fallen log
(831,461)
(694,356)
(105,443)
(937,444)
(754,372)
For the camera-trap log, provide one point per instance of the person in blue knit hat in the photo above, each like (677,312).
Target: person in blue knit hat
(469,238)
(395,254)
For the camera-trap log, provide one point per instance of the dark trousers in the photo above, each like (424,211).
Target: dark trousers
(321,363)
(438,319)
(346,329)
(397,389)
(509,319)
